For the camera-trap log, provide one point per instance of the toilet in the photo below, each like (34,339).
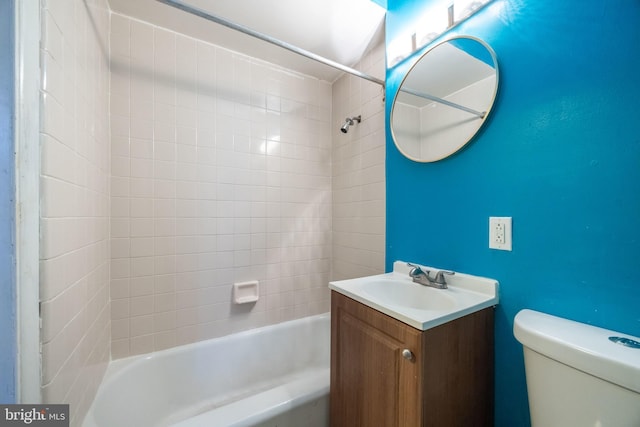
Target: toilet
(578,375)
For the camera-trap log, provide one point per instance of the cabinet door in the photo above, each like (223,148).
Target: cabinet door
(372,384)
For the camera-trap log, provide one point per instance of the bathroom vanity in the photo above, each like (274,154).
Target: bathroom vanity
(389,372)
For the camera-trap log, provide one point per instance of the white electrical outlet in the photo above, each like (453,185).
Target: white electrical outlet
(500,232)
(498,228)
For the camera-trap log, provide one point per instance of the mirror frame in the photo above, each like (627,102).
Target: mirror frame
(483,118)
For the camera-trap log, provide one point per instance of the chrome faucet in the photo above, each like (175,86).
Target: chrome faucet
(422,277)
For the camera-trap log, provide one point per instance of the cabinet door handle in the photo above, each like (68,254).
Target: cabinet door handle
(406,353)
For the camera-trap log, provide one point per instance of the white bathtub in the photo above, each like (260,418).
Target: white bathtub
(272,376)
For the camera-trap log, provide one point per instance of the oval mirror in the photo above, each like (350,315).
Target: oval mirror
(444,99)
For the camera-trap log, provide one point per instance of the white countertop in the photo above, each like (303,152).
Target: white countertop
(425,307)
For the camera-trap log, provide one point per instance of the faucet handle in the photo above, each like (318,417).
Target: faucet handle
(416,270)
(440,276)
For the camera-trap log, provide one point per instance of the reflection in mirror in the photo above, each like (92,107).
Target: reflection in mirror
(444,99)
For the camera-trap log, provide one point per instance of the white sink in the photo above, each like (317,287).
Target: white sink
(422,307)
(405,293)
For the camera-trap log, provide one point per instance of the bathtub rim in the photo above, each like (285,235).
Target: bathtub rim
(115,367)
(120,367)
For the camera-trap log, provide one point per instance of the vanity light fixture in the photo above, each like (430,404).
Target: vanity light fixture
(434,22)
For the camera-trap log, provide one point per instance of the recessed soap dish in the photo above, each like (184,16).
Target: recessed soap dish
(245,292)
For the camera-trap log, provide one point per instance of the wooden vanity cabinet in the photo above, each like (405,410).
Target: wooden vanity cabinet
(446,381)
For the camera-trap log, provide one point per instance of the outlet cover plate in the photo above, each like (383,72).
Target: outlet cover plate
(500,233)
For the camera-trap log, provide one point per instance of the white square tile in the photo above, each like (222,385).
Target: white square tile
(141,325)
(164,246)
(142,227)
(119,186)
(165,52)
(165,283)
(140,286)
(164,227)
(142,42)
(186,227)
(142,128)
(165,264)
(141,148)
(120,349)
(120,329)
(142,246)
(164,113)
(140,267)
(141,187)
(187,153)
(141,305)
(186,135)
(165,93)
(120,248)
(119,289)
(120,24)
(140,208)
(165,302)
(187,117)
(141,168)
(120,227)
(120,309)
(164,151)
(141,345)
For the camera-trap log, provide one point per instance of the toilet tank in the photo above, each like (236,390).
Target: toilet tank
(576,375)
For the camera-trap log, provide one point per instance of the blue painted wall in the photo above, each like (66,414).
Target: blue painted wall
(7,247)
(560,154)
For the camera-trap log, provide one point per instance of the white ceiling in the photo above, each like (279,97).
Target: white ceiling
(340,30)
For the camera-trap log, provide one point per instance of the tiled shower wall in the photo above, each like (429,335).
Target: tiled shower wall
(74,226)
(221,173)
(359,172)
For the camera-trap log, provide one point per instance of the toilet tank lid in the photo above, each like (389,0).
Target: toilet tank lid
(581,346)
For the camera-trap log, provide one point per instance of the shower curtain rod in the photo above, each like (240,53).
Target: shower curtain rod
(218,20)
(443,101)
